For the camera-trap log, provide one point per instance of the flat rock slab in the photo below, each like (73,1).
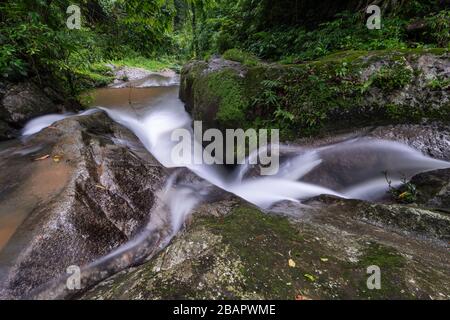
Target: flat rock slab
(131,77)
(322,253)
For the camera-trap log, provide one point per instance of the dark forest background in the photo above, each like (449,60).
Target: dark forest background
(35,41)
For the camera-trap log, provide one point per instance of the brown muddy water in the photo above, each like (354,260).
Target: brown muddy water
(25,183)
(131,99)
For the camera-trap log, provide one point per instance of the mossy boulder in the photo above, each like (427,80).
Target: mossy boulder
(346,89)
(213,92)
(317,253)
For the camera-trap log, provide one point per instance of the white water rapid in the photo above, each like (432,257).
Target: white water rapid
(349,169)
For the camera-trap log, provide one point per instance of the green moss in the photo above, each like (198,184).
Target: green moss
(313,95)
(329,93)
(313,92)
(247,59)
(391,265)
(264,243)
(225,90)
(438,84)
(148,64)
(93,78)
(393,77)
(382,256)
(421,51)
(246,255)
(343,56)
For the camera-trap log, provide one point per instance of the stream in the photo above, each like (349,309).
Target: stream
(354,168)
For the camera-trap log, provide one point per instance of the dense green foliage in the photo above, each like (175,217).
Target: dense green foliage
(36,43)
(304,30)
(304,61)
(345,89)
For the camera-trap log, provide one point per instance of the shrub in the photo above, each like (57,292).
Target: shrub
(245,58)
(392,77)
(438,28)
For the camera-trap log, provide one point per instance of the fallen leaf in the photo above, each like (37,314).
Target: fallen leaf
(259,238)
(42,158)
(57,158)
(310,277)
(278,253)
(324,259)
(403,195)
(291,263)
(300,297)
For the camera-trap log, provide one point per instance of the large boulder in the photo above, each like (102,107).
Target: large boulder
(433,189)
(24,101)
(5,130)
(432,139)
(133,77)
(85,194)
(344,90)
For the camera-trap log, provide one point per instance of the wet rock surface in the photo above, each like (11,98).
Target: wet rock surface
(6,132)
(24,101)
(104,200)
(132,77)
(432,139)
(408,219)
(89,187)
(434,189)
(321,252)
(231,250)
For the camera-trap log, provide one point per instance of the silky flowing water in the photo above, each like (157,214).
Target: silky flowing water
(350,169)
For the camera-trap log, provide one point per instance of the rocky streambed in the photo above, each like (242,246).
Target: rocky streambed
(86,192)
